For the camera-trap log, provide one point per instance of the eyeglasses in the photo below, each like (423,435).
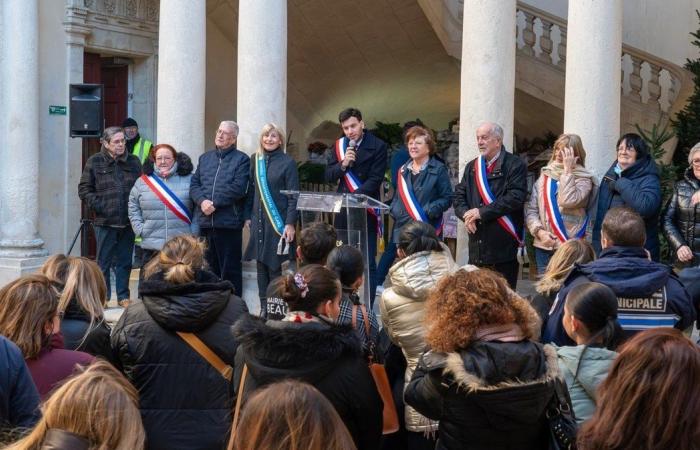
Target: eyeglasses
(164,158)
(226,133)
(626,150)
(696,162)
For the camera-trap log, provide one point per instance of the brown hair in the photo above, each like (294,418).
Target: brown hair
(154,150)
(56,268)
(291,415)
(463,302)
(99,405)
(85,284)
(573,251)
(316,242)
(27,304)
(419,131)
(624,227)
(322,284)
(179,259)
(573,141)
(650,398)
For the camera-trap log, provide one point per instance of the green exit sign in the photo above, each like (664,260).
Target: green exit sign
(57,110)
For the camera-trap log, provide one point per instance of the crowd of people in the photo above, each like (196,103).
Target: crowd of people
(600,358)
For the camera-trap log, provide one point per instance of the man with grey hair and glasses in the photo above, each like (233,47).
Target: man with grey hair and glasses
(490,200)
(218,188)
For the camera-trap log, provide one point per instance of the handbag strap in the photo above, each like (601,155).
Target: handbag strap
(205,352)
(237,410)
(365,319)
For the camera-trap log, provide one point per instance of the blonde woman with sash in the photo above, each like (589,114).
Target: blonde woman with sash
(557,209)
(270,215)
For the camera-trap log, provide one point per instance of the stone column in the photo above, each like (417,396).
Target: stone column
(593,77)
(182,75)
(21,248)
(262,69)
(488,81)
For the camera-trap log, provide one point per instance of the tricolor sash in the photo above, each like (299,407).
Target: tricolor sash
(268,202)
(487,196)
(409,201)
(551,207)
(169,199)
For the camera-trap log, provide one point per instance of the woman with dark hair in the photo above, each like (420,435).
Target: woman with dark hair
(423,261)
(185,402)
(632,180)
(590,319)
(650,399)
(307,345)
(485,379)
(348,263)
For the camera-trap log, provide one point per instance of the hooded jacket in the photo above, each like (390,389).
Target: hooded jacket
(638,187)
(584,368)
(403,310)
(74,327)
(681,222)
(185,403)
(328,357)
(649,294)
(150,219)
(490,395)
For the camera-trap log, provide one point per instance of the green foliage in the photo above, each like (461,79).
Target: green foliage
(391,133)
(311,173)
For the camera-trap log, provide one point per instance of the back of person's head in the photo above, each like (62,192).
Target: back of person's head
(316,242)
(291,415)
(309,288)
(463,302)
(347,262)
(571,252)
(410,124)
(85,284)
(623,227)
(28,306)
(417,237)
(634,141)
(650,398)
(56,268)
(594,305)
(98,405)
(179,259)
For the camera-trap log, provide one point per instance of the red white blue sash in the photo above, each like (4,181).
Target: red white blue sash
(551,207)
(411,204)
(487,196)
(351,181)
(169,199)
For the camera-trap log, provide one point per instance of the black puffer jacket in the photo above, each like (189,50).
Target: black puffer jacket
(329,357)
(74,327)
(185,403)
(492,395)
(681,220)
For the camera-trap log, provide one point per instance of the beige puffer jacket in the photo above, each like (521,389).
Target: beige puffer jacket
(402,307)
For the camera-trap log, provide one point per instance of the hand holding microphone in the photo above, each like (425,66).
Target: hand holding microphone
(350,155)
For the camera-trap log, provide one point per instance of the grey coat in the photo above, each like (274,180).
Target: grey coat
(150,218)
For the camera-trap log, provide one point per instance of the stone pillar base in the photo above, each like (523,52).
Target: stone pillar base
(13,268)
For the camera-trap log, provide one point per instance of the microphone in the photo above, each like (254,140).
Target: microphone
(351,146)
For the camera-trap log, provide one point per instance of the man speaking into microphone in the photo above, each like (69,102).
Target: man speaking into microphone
(358,162)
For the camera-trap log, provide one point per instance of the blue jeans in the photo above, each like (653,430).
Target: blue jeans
(115,245)
(542,258)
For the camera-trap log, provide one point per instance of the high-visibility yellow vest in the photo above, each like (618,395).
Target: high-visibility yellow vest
(142,148)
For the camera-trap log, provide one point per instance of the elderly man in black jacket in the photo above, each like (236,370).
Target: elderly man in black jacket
(105,184)
(490,200)
(219,187)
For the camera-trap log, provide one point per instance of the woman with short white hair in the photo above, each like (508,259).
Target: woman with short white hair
(681,223)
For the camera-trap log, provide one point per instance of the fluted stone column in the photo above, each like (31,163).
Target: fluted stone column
(593,76)
(262,68)
(488,81)
(182,75)
(21,248)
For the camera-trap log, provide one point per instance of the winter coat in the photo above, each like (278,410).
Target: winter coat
(639,188)
(649,294)
(19,399)
(151,220)
(583,369)
(681,221)
(432,190)
(328,357)
(185,402)
(74,328)
(105,185)
(222,177)
(402,309)
(490,395)
(573,196)
(54,364)
(491,244)
(369,166)
(282,175)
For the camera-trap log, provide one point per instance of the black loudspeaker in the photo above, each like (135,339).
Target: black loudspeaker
(86,110)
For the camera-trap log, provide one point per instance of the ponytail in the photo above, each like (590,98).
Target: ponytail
(595,305)
(308,288)
(179,259)
(418,237)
